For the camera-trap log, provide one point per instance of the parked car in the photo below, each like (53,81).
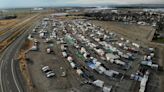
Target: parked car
(48,72)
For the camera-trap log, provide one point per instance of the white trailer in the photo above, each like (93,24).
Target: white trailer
(70,59)
(73,65)
(64,54)
(110,56)
(98,83)
(119,62)
(136,45)
(79,71)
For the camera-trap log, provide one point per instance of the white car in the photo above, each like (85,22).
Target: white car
(46,69)
(50,74)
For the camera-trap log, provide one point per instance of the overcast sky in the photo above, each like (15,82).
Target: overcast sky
(37,3)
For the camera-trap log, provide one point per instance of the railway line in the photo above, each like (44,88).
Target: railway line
(8,28)
(11,29)
(13,33)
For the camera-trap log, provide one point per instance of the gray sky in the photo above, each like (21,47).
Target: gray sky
(37,3)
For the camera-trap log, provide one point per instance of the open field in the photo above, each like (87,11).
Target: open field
(6,23)
(132,31)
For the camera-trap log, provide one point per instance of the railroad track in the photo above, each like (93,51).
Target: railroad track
(15,28)
(17,32)
(10,26)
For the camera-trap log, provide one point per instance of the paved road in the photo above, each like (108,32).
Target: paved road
(10,79)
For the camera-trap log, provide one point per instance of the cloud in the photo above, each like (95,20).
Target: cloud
(116,2)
